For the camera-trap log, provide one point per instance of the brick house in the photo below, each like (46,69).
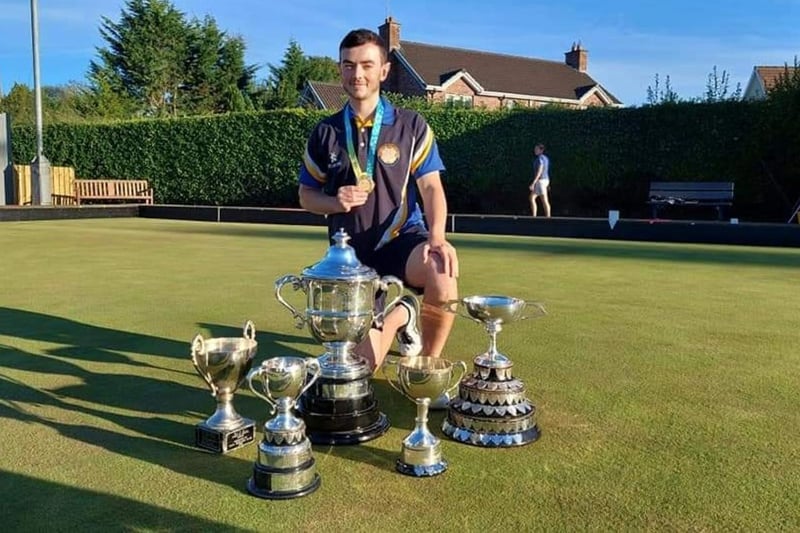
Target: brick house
(763,79)
(478,79)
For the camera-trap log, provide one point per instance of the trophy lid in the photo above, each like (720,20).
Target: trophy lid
(340,263)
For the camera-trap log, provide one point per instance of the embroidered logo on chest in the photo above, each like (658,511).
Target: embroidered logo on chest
(389,154)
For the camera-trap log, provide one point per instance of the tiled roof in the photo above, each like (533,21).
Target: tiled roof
(770,75)
(499,72)
(332,95)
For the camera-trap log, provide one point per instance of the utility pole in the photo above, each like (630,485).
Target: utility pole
(41,186)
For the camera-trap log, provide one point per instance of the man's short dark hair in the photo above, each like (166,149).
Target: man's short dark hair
(540,146)
(363,36)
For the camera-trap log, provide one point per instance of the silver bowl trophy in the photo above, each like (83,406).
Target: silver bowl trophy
(285,467)
(223,362)
(492,409)
(340,408)
(420,379)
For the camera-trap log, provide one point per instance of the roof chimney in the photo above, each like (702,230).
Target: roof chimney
(577,57)
(390,33)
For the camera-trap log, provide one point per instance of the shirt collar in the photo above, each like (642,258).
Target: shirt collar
(388,115)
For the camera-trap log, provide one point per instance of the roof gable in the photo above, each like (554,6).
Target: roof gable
(324,95)
(770,75)
(496,73)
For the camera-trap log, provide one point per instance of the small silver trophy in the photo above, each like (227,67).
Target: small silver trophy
(419,379)
(285,467)
(492,409)
(223,363)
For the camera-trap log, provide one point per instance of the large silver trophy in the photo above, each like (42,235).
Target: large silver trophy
(285,467)
(223,363)
(340,306)
(492,409)
(420,379)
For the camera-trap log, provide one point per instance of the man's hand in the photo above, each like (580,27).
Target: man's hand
(445,251)
(350,196)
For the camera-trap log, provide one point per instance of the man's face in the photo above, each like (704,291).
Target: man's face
(537,151)
(362,69)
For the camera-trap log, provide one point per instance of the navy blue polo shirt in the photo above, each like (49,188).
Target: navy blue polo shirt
(406,151)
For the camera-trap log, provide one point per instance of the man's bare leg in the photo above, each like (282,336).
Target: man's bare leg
(533,204)
(439,287)
(377,345)
(546,204)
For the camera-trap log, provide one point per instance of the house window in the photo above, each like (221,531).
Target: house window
(458,100)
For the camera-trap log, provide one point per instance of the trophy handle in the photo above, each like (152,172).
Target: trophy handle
(451,388)
(249,330)
(388,363)
(199,348)
(267,398)
(454,306)
(313,365)
(540,310)
(296,284)
(384,284)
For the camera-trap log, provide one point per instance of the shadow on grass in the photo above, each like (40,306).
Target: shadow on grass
(85,341)
(32,504)
(682,253)
(167,443)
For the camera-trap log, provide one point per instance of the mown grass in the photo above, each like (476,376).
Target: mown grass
(665,379)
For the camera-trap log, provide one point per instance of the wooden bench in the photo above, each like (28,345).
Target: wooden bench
(716,194)
(135,190)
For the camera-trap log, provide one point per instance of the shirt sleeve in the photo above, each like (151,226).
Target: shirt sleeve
(314,167)
(425,158)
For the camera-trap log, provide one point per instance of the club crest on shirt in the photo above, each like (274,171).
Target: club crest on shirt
(389,154)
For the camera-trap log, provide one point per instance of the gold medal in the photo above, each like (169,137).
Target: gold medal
(365,183)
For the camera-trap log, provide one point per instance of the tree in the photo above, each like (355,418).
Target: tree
(656,95)
(217,79)
(168,66)
(18,103)
(282,88)
(145,56)
(717,88)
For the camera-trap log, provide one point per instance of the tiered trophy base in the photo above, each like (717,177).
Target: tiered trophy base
(342,411)
(282,483)
(491,409)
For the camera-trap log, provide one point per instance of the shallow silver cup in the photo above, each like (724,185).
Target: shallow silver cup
(493,311)
(420,379)
(223,362)
(285,467)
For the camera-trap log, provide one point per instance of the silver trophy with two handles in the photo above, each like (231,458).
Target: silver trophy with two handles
(223,362)
(340,408)
(421,379)
(285,467)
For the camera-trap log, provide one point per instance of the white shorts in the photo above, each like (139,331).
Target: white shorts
(541,187)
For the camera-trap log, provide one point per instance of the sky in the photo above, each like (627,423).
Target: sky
(629,41)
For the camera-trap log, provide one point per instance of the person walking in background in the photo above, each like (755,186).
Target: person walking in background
(540,187)
(364,167)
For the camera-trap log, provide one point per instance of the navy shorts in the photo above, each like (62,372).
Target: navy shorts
(391,259)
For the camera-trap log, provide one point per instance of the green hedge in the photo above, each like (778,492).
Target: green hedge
(601,158)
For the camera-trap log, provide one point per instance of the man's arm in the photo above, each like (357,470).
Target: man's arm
(319,203)
(432,192)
